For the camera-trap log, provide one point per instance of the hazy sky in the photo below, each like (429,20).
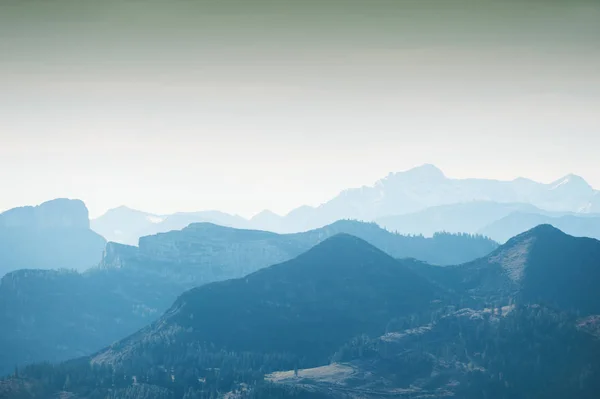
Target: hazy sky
(244,105)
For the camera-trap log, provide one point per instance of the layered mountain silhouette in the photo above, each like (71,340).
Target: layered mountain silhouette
(219,252)
(135,285)
(55,234)
(418,201)
(306,307)
(345,318)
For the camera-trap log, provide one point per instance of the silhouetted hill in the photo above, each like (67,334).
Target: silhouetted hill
(53,235)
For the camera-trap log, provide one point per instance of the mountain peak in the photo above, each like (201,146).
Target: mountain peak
(423,172)
(426,170)
(265,214)
(571,181)
(341,251)
(540,231)
(344,239)
(427,166)
(543,265)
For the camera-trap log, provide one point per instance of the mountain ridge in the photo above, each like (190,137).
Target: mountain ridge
(402,193)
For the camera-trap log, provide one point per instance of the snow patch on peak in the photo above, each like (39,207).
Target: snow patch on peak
(154,219)
(560,183)
(572,180)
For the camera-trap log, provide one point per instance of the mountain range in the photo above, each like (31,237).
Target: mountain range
(417,303)
(418,201)
(346,320)
(55,315)
(53,235)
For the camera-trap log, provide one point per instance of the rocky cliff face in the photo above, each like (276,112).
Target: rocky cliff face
(58,213)
(53,235)
(116,255)
(202,253)
(207,252)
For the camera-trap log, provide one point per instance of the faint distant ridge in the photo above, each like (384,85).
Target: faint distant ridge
(426,186)
(53,235)
(342,287)
(402,201)
(125,225)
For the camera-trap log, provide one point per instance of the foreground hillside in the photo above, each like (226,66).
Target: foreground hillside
(345,320)
(515,352)
(295,314)
(56,315)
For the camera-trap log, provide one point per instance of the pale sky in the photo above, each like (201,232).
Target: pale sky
(241,106)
